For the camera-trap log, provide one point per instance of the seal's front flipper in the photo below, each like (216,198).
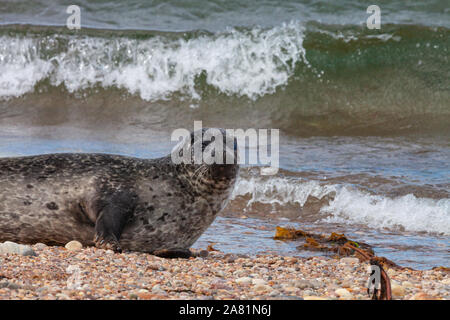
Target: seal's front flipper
(111,220)
(109,242)
(173,253)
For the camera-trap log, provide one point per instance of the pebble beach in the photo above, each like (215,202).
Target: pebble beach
(74,272)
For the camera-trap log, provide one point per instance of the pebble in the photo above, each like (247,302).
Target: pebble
(303,284)
(40,246)
(144,294)
(274,293)
(349,260)
(346,284)
(262,287)
(309,293)
(220,273)
(407,284)
(132,296)
(9,285)
(130,275)
(344,293)
(391,272)
(314,298)
(422,296)
(290,290)
(258,282)
(244,280)
(397,290)
(15,248)
(158,290)
(73,245)
(62,296)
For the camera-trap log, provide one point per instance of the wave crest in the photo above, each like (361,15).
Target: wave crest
(350,205)
(248,63)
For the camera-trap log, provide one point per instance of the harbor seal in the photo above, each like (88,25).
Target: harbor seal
(111,201)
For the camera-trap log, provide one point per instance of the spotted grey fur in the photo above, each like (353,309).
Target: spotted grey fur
(110,200)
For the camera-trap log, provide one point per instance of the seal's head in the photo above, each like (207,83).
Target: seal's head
(209,156)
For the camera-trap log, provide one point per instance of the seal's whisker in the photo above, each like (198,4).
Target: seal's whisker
(202,173)
(197,172)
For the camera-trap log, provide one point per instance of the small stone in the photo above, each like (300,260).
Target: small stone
(244,280)
(446,281)
(15,248)
(154,266)
(422,296)
(144,294)
(229,258)
(176,269)
(258,282)
(346,283)
(349,260)
(220,273)
(9,285)
(42,289)
(274,293)
(407,284)
(62,296)
(132,296)
(314,298)
(391,272)
(203,253)
(178,283)
(344,294)
(290,289)
(40,246)
(397,290)
(73,245)
(303,284)
(158,290)
(262,287)
(317,284)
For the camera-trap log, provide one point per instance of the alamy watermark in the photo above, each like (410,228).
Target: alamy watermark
(374,281)
(74,20)
(262,149)
(374,20)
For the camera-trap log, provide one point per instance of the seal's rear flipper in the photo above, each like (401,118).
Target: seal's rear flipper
(111,220)
(173,253)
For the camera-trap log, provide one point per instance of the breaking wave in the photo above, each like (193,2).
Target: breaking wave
(243,63)
(349,205)
(306,80)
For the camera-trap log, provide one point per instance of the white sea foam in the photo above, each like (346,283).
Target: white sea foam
(352,206)
(248,63)
(279,190)
(20,66)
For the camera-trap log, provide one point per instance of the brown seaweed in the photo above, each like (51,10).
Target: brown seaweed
(289,233)
(340,245)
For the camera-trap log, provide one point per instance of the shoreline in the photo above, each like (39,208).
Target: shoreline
(91,273)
